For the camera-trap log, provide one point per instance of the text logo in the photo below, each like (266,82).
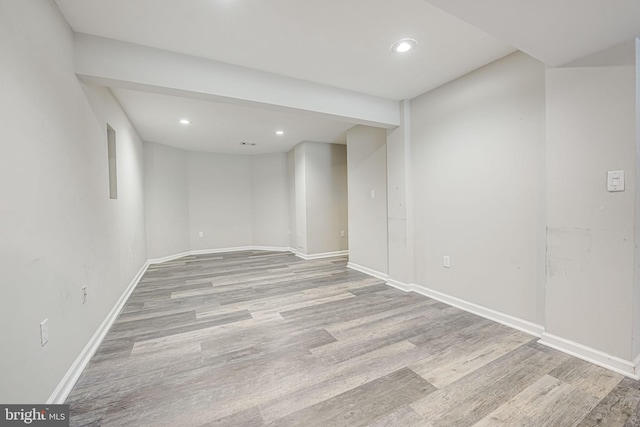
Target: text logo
(34,415)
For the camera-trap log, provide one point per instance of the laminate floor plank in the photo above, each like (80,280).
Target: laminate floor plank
(280,303)
(591,378)
(546,403)
(362,405)
(466,356)
(357,345)
(256,338)
(620,408)
(403,416)
(247,418)
(387,311)
(323,382)
(384,322)
(474,396)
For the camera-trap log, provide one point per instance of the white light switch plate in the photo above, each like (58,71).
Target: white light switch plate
(615,181)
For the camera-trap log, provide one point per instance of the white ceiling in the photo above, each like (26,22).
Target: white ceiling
(341,43)
(220,128)
(555,32)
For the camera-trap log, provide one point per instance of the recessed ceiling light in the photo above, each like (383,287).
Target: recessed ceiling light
(279,132)
(404,45)
(185,121)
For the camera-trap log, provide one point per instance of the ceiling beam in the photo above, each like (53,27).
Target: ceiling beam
(118,64)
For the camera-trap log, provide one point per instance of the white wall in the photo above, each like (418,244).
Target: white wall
(270,200)
(291,197)
(219,200)
(235,201)
(367,165)
(318,197)
(326,197)
(398,188)
(300,196)
(636,298)
(591,129)
(166,200)
(58,227)
(477,149)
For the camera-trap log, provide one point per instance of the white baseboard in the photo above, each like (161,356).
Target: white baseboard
(496,316)
(627,368)
(65,386)
(597,357)
(271,248)
(219,251)
(169,258)
(366,270)
(309,257)
(399,285)
(507,320)
(239,249)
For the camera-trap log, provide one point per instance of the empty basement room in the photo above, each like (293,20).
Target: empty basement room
(304,213)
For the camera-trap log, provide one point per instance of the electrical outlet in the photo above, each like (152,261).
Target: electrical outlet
(201,234)
(84,294)
(446,261)
(342,233)
(44,332)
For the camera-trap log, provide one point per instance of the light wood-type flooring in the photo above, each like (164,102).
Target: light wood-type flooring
(266,338)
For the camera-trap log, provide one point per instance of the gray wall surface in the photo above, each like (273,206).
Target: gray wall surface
(591,129)
(367,183)
(477,152)
(234,201)
(166,200)
(59,228)
(326,197)
(318,197)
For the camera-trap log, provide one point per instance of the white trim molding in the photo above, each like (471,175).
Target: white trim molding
(496,316)
(405,287)
(239,249)
(366,270)
(219,251)
(169,258)
(309,257)
(597,357)
(636,367)
(60,394)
